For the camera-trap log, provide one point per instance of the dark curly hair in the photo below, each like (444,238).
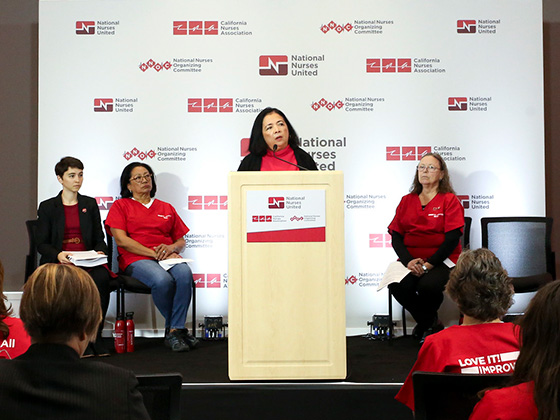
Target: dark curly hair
(480,285)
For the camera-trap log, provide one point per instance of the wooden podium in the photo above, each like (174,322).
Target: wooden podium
(286,316)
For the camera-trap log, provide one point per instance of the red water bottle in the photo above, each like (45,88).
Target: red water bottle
(120,335)
(129,332)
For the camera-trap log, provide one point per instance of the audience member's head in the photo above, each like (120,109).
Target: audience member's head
(480,285)
(5,310)
(60,302)
(539,358)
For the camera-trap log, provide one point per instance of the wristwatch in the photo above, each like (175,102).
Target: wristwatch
(424,268)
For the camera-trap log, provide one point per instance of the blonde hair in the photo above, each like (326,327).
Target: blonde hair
(60,301)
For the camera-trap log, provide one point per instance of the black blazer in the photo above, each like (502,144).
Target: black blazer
(50,381)
(50,227)
(253,163)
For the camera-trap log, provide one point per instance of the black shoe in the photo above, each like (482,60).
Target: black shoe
(100,349)
(89,352)
(175,341)
(190,339)
(418,332)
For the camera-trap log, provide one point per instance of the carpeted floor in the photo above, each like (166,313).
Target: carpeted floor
(368,361)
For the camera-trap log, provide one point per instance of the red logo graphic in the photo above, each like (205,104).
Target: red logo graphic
(276,202)
(180,27)
(85,27)
(211,27)
(323,103)
(210,105)
(103,105)
(336,27)
(207,280)
(208,202)
(388,65)
(457,103)
(273,65)
(261,218)
(350,280)
(296,219)
(138,154)
(151,64)
(380,240)
(195,27)
(466,26)
(245,146)
(465,201)
(406,152)
(104,203)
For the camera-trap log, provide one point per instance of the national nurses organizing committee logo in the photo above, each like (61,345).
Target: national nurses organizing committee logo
(103,104)
(136,153)
(85,27)
(380,240)
(208,202)
(273,65)
(457,103)
(336,27)
(388,65)
(329,105)
(466,26)
(210,105)
(407,152)
(276,202)
(195,27)
(153,65)
(208,281)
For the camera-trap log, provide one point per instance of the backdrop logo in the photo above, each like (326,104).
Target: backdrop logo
(330,105)
(135,153)
(85,27)
(466,26)
(457,103)
(380,240)
(210,105)
(406,152)
(208,281)
(244,145)
(351,280)
(261,218)
(273,65)
(332,26)
(208,202)
(104,203)
(465,201)
(103,104)
(388,65)
(151,64)
(276,202)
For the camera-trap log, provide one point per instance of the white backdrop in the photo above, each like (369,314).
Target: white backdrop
(369,86)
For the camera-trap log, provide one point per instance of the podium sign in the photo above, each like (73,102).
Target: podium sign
(286,316)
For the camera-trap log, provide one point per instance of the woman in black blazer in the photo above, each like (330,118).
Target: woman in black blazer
(71,222)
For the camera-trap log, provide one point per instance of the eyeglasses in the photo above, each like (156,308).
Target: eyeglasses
(140,178)
(430,168)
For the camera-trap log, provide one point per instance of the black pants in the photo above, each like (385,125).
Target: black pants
(422,296)
(102,279)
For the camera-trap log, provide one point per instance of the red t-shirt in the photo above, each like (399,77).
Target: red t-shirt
(17,342)
(511,403)
(424,230)
(159,224)
(481,349)
(270,163)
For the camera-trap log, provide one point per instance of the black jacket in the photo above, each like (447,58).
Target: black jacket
(253,163)
(50,227)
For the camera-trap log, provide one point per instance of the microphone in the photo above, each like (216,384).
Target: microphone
(289,163)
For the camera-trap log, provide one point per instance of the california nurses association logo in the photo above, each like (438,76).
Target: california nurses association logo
(212,105)
(195,27)
(208,202)
(388,65)
(406,152)
(207,281)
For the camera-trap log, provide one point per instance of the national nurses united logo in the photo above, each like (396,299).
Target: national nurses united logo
(466,26)
(85,27)
(105,202)
(276,202)
(406,152)
(273,65)
(465,201)
(457,103)
(103,105)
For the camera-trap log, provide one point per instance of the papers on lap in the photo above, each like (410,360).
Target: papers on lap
(87,258)
(170,262)
(394,274)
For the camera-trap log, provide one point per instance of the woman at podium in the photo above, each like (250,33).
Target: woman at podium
(425,235)
(274,145)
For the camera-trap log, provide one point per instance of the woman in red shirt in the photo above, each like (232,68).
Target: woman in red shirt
(425,233)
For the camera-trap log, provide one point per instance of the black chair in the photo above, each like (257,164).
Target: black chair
(162,395)
(32,258)
(523,246)
(133,285)
(465,244)
(445,396)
